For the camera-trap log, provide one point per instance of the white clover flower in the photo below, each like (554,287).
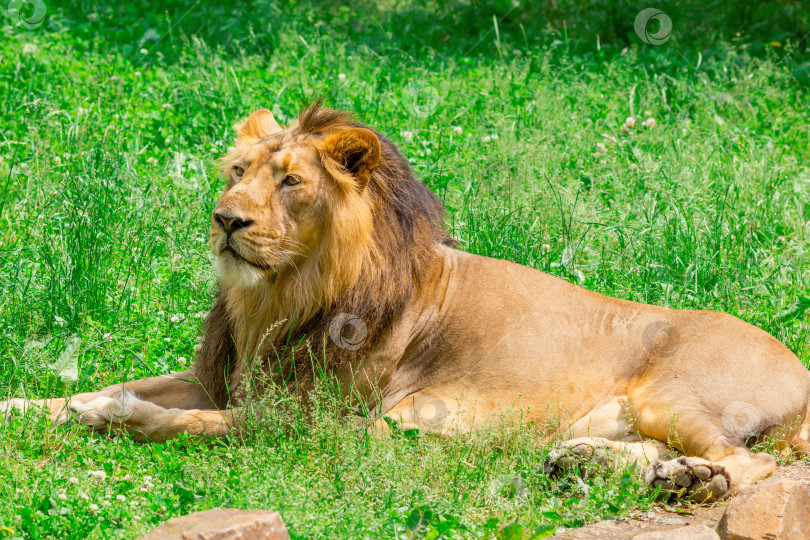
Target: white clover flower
(147,478)
(57,160)
(161,313)
(197,347)
(61,497)
(101,475)
(601,147)
(93,507)
(457,130)
(545,248)
(73,480)
(494,136)
(407,135)
(120,498)
(175,319)
(486,138)
(105,503)
(630,122)
(106,337)
(649,123)
(341,77)
(182,360)
(167,340)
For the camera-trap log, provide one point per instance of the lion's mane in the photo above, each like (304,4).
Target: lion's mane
(387,234)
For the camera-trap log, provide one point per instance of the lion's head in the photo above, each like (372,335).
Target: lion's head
(322,218)
(287,191)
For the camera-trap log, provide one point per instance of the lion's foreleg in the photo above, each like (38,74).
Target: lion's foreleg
(126,413)
(176,391)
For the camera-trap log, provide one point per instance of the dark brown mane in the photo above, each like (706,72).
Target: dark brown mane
(408,224)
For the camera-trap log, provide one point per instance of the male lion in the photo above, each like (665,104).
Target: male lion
(323,227)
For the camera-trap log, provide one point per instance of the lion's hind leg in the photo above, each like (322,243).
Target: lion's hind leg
(716,462)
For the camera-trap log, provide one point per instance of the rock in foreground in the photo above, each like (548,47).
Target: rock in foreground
(775,509)
(690,532)
(222,524)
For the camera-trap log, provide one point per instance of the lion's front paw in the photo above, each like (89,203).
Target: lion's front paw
(692,478)
(121,413)
(20,405)
(576,454)
(105,411)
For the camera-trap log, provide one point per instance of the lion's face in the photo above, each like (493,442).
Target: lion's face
(280,195)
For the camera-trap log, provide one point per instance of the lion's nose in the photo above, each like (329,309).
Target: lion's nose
(231,223)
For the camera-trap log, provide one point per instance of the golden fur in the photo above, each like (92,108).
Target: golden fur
(324,222)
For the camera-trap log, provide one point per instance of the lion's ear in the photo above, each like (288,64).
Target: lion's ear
(258,125)
(357,149)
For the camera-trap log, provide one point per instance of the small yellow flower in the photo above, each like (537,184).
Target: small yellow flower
(775,44)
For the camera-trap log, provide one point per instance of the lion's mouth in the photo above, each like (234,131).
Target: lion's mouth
(235,254)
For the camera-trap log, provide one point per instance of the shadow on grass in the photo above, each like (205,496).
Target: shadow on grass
(457,28)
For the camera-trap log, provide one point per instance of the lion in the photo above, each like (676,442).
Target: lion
(324,235)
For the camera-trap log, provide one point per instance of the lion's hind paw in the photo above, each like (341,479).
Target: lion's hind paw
(691,478)
(576,454)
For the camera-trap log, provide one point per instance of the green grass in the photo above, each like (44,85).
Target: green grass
(112,118)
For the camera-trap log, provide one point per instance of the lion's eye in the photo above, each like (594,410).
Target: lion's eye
(291,180)
(239,171)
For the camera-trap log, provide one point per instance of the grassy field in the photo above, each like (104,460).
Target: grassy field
(113,116)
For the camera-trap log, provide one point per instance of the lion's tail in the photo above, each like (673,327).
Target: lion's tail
(800,443)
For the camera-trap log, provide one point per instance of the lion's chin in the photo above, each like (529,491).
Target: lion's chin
(237,272)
